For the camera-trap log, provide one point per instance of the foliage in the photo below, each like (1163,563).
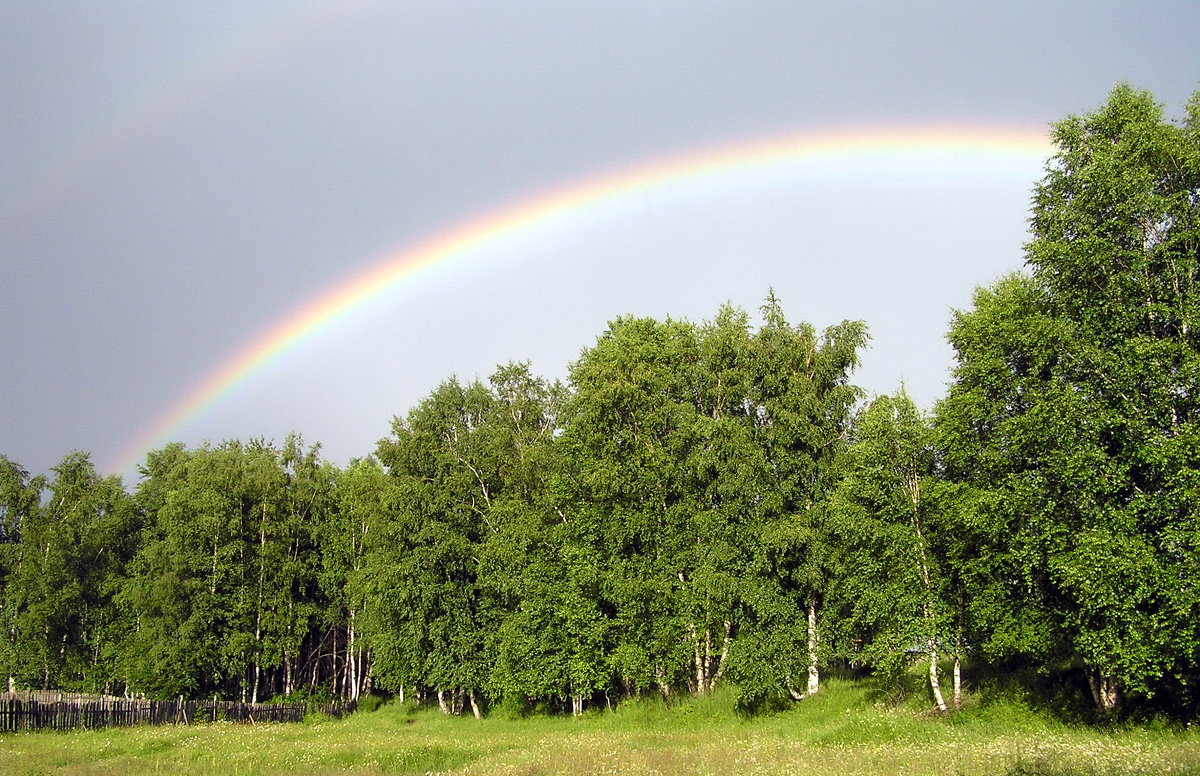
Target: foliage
(1073,416)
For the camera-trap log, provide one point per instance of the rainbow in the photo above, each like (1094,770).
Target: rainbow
(157,102)
(1010,145)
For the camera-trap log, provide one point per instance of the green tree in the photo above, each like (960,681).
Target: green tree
(632,502)
(895,591)
(699,460)
(182,582)
(803,400)
(362,501)
(1074,409)
(20,497)
(433,620)
(68,570)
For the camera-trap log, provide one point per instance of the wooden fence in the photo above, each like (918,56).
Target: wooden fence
(53,711)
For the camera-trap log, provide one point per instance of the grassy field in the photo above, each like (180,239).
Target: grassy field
(842,731)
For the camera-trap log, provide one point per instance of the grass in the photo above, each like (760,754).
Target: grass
(844,730)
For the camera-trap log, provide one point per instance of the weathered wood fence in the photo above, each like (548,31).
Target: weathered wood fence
(53,711)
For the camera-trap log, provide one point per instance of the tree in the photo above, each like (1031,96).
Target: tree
(223,588)
(185,587)
(894,591)
(362,498)
(1074,410)
(803,399)
(20,497)
(699,460)
(436,617)
(625,440)
(68,570)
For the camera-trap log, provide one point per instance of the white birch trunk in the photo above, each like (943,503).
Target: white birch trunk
(351,667)
(475,706)
(1104,691)
(934,683)
(660,679)
(957,681)
(708,659)
(335,674)
(814,676)
(287,674)
(913,486)
(725,645)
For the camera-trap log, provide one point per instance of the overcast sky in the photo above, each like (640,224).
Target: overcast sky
(177,177)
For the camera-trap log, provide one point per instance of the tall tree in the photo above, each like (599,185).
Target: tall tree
(184,579)
(630,431)
(72,554)
(804,400)
(1074,410)
(434,620)
(362,501)
(20,498)
(894,590)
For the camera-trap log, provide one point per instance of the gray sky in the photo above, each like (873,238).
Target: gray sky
(176,177)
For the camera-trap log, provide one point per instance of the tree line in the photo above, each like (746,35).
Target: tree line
(698,504)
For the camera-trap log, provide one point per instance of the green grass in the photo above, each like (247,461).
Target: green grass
(846,729)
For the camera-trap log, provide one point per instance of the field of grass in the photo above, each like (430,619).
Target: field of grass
(844,730)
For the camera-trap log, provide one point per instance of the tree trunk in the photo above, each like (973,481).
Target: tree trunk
(445,707)
(725,645)
(708,659)
(934,682)
(287,674)
(475,706)
(365,670)
(334,673)
(351,667)
(1104,691)
(660,678)
(697,658)
(957,680)
(814,676)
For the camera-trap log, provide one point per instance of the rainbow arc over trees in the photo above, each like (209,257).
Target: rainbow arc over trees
(976,144)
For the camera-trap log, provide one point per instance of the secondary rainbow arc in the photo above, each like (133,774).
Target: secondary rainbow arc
(1018,143)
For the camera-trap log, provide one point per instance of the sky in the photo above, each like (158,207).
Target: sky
(180,182)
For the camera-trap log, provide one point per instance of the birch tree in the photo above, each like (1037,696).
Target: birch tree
(894,591)
(434,622)
(72,553)
(20,497)
(1074,414)
(804,398)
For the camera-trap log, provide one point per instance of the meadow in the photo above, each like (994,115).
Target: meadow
(847,729)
